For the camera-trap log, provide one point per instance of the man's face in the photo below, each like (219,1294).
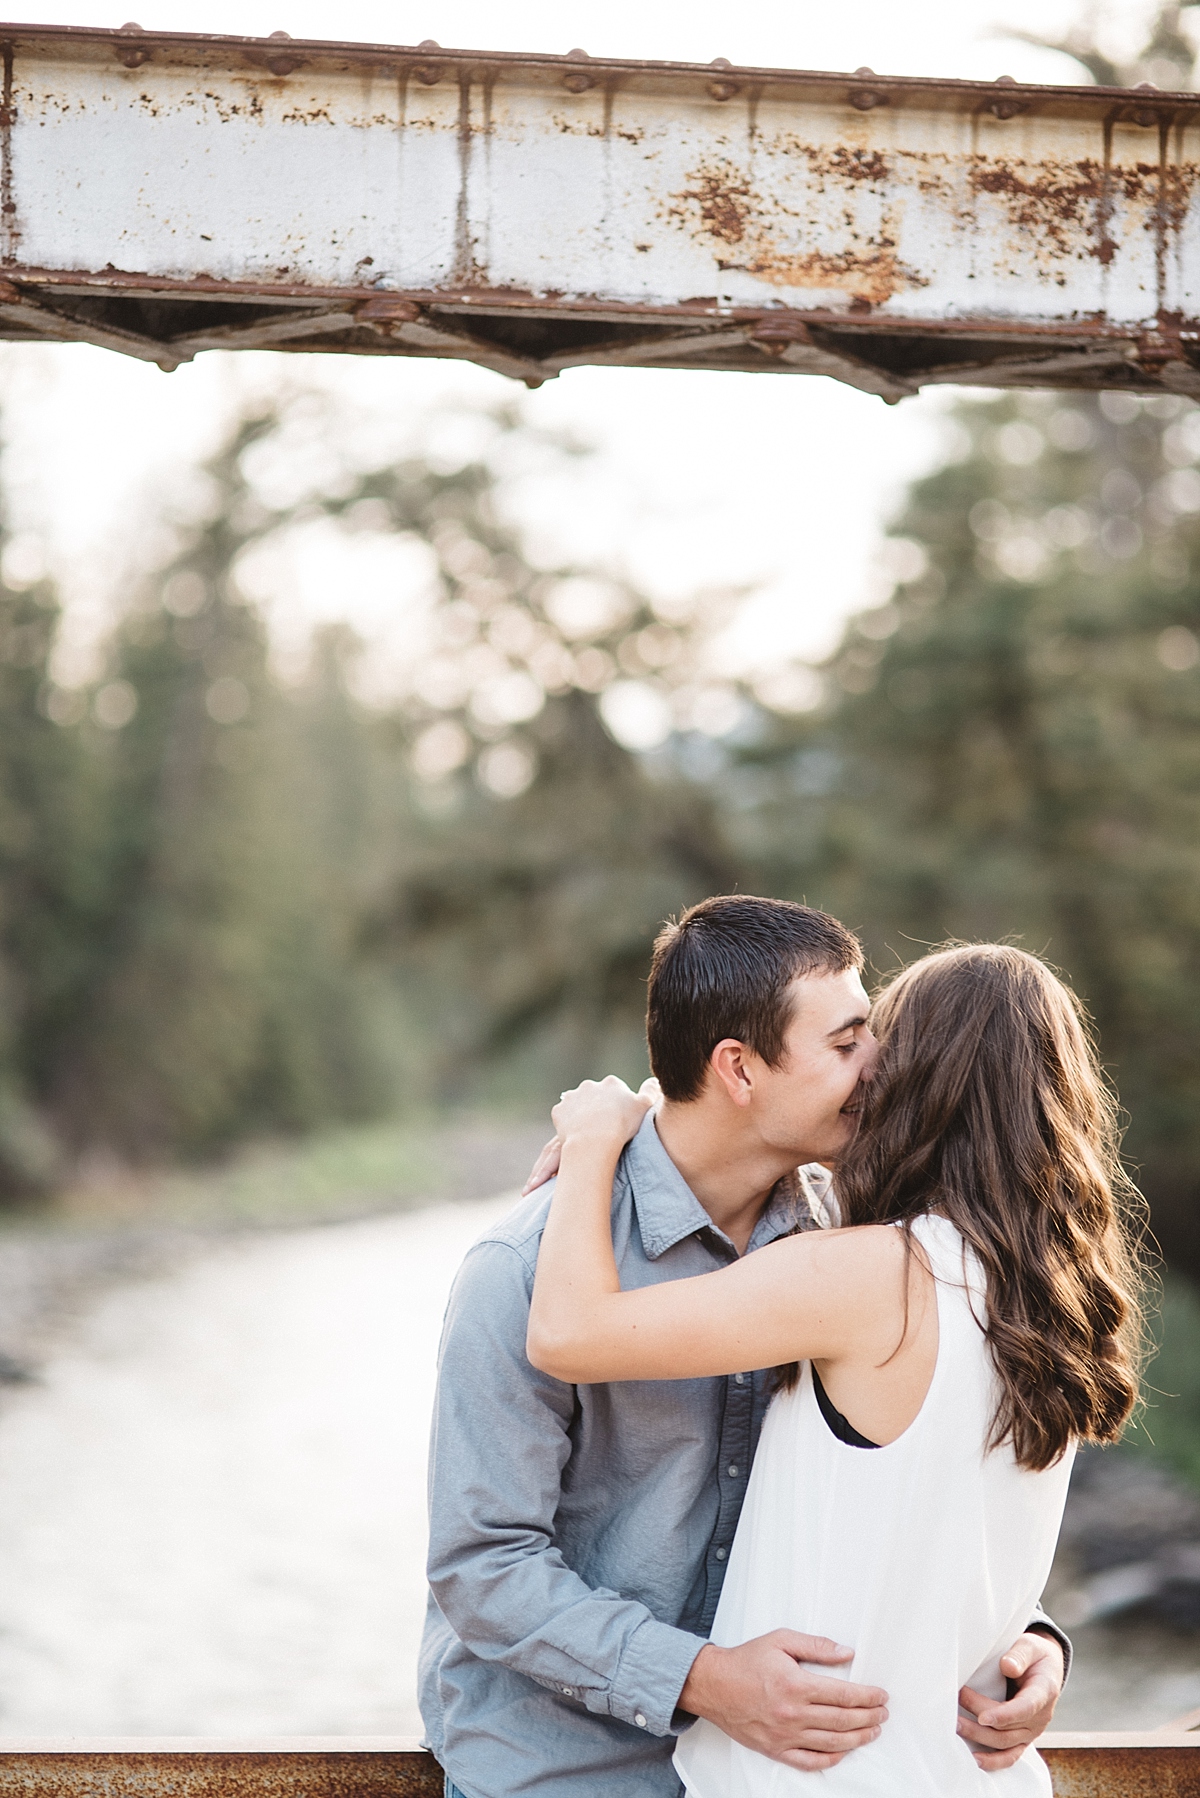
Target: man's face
(809,1104)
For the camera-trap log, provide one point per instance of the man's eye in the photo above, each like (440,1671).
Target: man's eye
(846,1048)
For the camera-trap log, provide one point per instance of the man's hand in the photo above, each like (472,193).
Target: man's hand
(763,1698)
(999,1733)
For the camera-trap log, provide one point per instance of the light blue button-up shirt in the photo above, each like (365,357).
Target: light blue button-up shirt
(580,1534)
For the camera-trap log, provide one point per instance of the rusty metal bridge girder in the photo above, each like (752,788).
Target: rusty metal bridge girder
(164,193)
(1149,1764)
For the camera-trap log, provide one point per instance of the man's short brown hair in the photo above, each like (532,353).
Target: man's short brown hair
(723,970)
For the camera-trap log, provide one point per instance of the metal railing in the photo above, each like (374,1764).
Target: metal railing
(1163,1763)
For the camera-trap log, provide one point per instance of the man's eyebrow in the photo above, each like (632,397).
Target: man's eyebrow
(850,1024)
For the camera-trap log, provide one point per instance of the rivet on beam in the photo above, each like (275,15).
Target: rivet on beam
(283,65)
(384,314)
(866,98)
(577,82)
(1146,115)
(775,336)
(126,54)
(722,90)
(428,73)
(1154,351)
(1010,106)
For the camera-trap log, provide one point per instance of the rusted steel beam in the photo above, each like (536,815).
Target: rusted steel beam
(195,1767)
(1163,1764)
(162,193)
(1137,1764)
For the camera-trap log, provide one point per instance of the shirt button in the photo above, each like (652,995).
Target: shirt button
(639,1719)
(732,1471)
(568,1691)
(721,1553)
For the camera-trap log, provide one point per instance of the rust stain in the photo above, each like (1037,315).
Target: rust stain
(842,163)
(464,249)
(869,278)
(229,1774)
(1052,201)
(1161,222)
(1111,1770)
(1070,205)
(725,202)
(722,205)
(9,232)
(1175,182)
(1106,248)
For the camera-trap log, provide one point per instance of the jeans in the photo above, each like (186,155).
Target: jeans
(452,1790)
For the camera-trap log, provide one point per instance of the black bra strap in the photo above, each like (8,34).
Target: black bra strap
(843,1430)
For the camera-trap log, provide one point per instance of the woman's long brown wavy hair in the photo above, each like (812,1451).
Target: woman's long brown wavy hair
(988,1107)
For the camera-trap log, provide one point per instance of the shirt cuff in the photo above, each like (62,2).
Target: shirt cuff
(652,1674)
(1045,1626)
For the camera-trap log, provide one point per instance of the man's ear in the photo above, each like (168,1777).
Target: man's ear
(729,1061)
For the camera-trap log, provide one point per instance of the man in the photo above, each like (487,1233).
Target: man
(579,1535)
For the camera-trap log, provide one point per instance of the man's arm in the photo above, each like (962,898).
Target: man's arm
(1042,1625)
(1036,1666)
(759,1695)
(500,1444)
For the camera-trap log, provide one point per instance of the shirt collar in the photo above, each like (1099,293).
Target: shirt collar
(668,1210)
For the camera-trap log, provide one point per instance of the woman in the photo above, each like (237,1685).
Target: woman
(973,1319)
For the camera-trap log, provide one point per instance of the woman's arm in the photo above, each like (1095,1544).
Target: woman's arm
(814,1295)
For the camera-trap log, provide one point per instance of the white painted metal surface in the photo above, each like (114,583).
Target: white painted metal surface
(167,193)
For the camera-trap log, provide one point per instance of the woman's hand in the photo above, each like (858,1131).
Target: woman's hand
(601,1109)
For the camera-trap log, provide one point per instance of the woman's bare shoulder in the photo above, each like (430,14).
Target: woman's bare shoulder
(858,1253)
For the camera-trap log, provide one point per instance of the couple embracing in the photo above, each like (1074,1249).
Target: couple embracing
(745,1479)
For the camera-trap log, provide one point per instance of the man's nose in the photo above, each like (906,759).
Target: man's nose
(870,1056)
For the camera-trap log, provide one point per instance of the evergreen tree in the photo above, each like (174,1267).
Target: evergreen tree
(218,1005)
(1012,746)
(48,891)
(540,854)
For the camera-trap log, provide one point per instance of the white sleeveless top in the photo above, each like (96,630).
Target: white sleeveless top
(927,1556)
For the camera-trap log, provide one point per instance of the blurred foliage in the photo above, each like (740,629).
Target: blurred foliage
(330,1175)
(1168,1429)
(1165,59)
(235,905)
(548,853)
(1011,746)
(221,994)
(240,905)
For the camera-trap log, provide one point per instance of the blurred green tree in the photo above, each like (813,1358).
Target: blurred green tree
(548,843)
(224,996)
(48,890)
(296,906)
(1011,746)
